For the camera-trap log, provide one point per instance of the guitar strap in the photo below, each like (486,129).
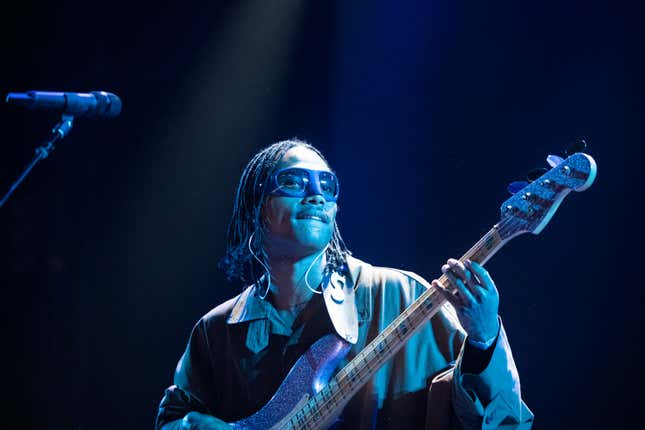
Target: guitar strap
(340,301)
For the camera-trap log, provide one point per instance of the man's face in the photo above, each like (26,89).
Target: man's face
(298,226)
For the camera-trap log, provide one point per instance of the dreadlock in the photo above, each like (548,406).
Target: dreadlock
(245,229)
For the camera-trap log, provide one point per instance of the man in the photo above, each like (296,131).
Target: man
(456,372)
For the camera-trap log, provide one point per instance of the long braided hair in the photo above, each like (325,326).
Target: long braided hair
(246,228)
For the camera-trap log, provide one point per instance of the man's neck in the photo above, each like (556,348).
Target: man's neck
(289,278)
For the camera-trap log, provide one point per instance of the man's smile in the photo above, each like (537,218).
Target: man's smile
(314,215)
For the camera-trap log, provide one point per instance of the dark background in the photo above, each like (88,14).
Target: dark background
(425,109)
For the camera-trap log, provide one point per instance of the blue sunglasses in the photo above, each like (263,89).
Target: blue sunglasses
(299,182)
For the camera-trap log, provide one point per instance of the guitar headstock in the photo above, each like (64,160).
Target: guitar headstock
(531,208)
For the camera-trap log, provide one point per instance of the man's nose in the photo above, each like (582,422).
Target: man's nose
(315,199)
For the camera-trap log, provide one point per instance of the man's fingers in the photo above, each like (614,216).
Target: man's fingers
(460,270)
(482,275)
(456,271)
(467,297)
(454,300)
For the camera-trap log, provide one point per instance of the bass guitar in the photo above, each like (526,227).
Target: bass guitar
(312,397)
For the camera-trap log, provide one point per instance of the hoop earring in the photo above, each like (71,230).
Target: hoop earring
(266,269)
(310,266)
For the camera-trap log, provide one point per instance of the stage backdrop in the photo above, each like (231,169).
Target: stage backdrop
(426,110)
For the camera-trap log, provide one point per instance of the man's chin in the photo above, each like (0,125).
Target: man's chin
(297,249)
(299,245)
(313,244)
(308,248)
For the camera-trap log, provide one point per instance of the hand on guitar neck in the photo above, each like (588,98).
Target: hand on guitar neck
(475,298)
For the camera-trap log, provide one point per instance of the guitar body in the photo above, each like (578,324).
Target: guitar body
(308,375)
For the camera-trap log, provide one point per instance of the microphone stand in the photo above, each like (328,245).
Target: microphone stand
(59,131)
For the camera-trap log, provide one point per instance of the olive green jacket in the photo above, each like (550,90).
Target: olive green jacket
(239,352)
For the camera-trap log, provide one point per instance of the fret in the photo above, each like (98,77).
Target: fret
(352,374)
(375,352)
(427,304)
(366,362)
(332,393)
(369,355)
(343,380)
(322,395)
(298,421)
(486,247)
(339,394)
(328,402)
(315,405)
(314,415)
(307,409)
(403,327)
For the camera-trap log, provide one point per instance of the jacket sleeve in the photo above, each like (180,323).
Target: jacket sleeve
(458,400)
(490,399)
(192,377)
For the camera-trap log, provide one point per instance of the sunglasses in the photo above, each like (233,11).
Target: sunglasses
(299,182)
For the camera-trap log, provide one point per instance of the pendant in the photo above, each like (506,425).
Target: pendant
(337,288)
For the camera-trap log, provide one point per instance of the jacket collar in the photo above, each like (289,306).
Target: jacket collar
(249,306)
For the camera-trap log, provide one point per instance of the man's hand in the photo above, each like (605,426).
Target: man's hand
(198,421)
(475,298)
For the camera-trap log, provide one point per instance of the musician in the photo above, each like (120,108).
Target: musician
(456,372)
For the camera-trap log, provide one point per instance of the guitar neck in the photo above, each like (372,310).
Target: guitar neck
(329,401)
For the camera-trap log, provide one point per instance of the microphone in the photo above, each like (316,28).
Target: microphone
(97,104)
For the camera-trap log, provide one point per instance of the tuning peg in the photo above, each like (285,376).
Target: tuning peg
(554,160)
(536,173)
(516,186)
(578,145)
